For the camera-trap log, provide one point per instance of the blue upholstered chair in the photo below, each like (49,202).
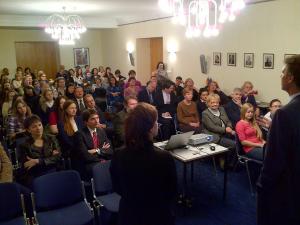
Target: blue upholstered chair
(12,210)
(104,197)
(59,198)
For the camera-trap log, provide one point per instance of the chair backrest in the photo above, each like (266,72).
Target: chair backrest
(57,190)
(238,146)
(10,201)
(102,178)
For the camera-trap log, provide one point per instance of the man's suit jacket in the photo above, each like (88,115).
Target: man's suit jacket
(143,96)
(233,112)
(279,182)
(86,143)
(162,107)
(213,125)
(77,105)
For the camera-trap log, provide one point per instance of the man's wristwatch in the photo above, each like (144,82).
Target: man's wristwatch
(98,151)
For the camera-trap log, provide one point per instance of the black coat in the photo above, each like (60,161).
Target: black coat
(233,112)
(85,143)
(279,182)
(146,181)
(162,107)
(143,96)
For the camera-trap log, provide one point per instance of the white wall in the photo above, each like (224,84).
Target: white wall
(91,39)
(271,27)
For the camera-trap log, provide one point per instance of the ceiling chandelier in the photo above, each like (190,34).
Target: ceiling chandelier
(65,28)
(202,17)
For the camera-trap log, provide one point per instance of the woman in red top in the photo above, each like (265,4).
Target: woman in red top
(56,114)
(249,133)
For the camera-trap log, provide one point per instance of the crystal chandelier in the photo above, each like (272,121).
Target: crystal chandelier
(65,28)
(202,17)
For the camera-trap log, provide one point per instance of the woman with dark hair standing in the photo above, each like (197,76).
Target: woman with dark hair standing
(144,176)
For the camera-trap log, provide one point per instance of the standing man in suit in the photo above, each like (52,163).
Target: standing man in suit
(147,94)
(279,182)
(78,94)
(93,145)
(166,105)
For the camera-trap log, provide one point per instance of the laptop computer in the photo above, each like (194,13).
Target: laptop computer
(176,141)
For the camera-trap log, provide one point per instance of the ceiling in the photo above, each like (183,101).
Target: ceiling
(95,13)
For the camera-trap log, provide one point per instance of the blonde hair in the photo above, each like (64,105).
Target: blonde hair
(43,99)
(245,107)
(247,82)
(211,97)
(187,80)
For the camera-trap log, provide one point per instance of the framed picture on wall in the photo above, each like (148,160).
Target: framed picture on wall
(268,61)
(249,60)
(81,56)
(217,58)
(231,59)
(288,55)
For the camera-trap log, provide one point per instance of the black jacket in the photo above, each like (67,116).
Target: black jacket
(279,182)
(146,181)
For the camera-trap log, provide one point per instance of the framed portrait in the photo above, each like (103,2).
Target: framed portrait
(217,58)
(268,61)
(231,59)
(249,60)
(288,55)
(81,56)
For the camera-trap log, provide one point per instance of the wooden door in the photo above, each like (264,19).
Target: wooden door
(156,51)
(38,56)
(143,59)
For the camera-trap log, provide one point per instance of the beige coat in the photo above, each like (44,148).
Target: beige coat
(6,171)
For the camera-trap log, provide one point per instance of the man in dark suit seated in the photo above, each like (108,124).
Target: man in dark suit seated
(78,94)
(233,107)
(166,105)
(147,94)
(278,198)
(93,144)
(130,102)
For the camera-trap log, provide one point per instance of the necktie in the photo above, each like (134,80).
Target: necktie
(151,98)
(81,105)
(95,139)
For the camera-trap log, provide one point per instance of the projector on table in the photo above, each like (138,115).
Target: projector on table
(199,139)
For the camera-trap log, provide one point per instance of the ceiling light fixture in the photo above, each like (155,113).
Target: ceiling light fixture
(202,17)
(65,28)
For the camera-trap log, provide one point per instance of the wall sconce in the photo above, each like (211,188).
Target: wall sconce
(172,49)
(130,49)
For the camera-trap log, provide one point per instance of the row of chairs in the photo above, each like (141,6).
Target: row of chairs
(60,198)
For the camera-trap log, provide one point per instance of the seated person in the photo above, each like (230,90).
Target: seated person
(189,83)
(78,94)
(91,104)
(56,114)
(68,128)
(15,126)
(133,88)
(249,133)
(132,73)
(114,94)
(215,122)
(148,93)
(166,104)
(201,103)
(94,145)
(233,107)
(6,170)
(265,121)
(213,88)
(39,154)
(130,103)
(248,96)
(187,114)
(178,88)
(274,105)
